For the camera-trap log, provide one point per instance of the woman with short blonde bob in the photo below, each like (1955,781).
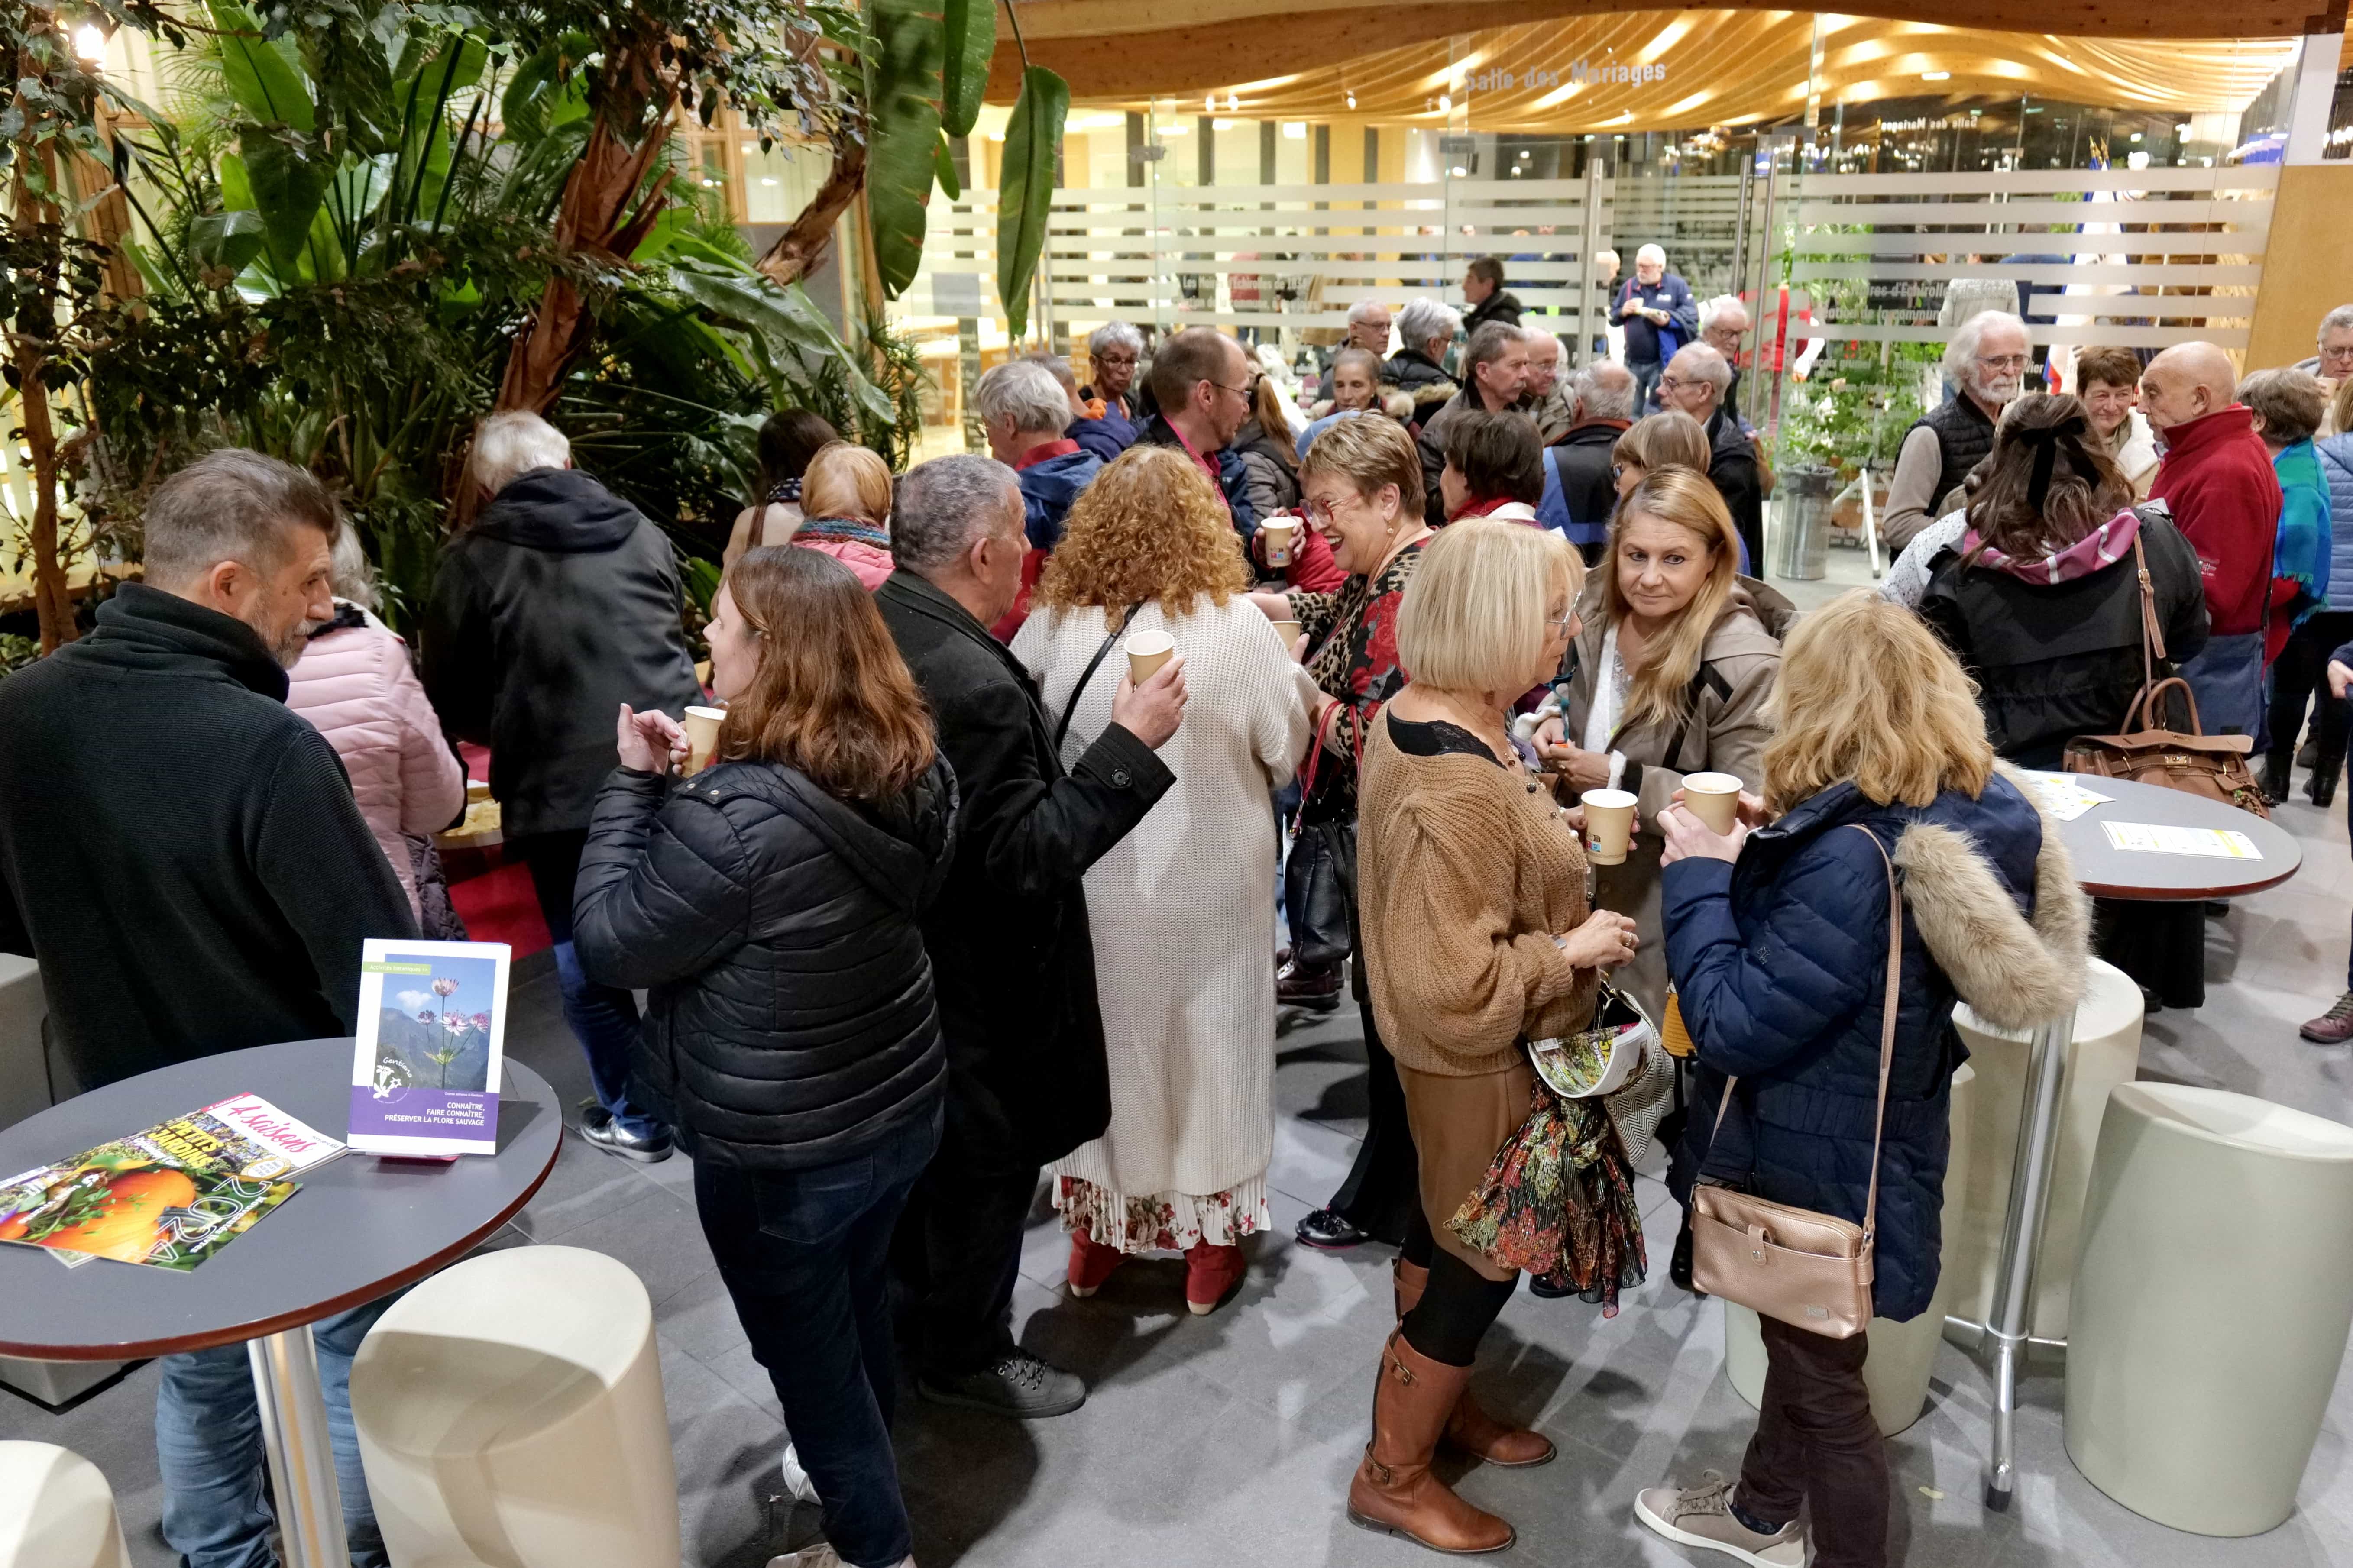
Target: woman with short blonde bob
(1476,938)
(1672,439)
(1669,675)
(1777,938)
(845,506)
(1177,910)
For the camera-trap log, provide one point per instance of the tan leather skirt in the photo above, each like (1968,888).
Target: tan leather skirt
(1458,1124)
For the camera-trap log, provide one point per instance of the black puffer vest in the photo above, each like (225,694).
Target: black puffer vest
(1964,435)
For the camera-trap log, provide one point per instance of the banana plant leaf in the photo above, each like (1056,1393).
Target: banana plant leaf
(285,183)
(943,170)
(265,79)
(784,316)
(230,239)
(970,38)
(1025,192)
(547,89)
(904,112)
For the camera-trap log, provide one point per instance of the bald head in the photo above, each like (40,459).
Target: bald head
(1694,380)
(2188,382)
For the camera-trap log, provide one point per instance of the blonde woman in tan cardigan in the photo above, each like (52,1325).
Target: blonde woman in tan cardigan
(1476,937)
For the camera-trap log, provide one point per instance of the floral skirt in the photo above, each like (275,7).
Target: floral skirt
(1163,1222)
(1558,1202)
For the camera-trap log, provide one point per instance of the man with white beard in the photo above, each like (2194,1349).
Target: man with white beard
(1985,362)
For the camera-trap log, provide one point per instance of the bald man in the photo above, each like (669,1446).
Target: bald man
(2217,478)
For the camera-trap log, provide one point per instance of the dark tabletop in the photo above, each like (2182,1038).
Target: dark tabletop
(359,1227)
(2107,872)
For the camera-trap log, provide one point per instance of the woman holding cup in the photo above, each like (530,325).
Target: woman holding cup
(1147,570)
(1664,687)
(1361,485)
(1478,939)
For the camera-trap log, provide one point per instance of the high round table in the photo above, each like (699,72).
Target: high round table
(359,1229)
(2105,872)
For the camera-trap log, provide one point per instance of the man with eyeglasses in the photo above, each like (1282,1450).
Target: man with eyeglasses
(1986,362)
(1697,380)
(1496,369)
(1201,380)
(2333,363)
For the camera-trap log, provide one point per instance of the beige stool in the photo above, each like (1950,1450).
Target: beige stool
(56,1511)
(2212,1300)
(509,1415)
(1902,1355)
(2106,1052)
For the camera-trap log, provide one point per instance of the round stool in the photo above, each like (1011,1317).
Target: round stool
(510,1415)
(2106,1052)
(1903,1355)
(2212,1300)
(56,1511)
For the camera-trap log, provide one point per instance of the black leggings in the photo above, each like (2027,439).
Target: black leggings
(2301,676)
(1460,1303)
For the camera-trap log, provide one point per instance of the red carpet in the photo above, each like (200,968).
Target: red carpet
(496,904)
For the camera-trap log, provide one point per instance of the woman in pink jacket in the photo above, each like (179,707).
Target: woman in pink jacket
(354,685)
(846,496)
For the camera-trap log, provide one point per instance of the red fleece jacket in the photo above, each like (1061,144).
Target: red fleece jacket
(2217,478)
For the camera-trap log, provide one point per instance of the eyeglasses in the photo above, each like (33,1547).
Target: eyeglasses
(1674,384)
(1244,392)
(2340,355)
(2004,361)
(1319,512)
(1116,362)
(1561,622)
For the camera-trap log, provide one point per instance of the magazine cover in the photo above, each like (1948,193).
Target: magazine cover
(432,1032)
(170,1196)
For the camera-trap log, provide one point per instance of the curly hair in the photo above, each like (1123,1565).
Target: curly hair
(1148,528)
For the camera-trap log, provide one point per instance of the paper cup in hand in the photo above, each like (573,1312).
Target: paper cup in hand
(1608,824)
(1146,652)
(702,736)
(1714,798)
(1289,632)
(1278,532)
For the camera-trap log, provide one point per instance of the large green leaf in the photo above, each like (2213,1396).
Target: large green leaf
(266,79)
(970,39)
(229,239)
(287,184)
(546,89)
(785,317)
(1025,191)
(904,112)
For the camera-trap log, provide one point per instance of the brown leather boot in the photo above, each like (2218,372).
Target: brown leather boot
(1471,1430)
(1393,1492)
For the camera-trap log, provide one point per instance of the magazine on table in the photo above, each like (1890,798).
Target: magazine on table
(169,1196)
(430,1046)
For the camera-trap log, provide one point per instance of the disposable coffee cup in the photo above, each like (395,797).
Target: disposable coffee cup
(1608,824)
(1289,632)
(701,737)
(1278,532)
(1714,798)
(1146,652)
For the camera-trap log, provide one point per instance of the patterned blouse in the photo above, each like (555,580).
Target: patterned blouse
(1352,631)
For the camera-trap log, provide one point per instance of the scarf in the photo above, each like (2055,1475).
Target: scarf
(785,492)
(2097,551)
(842,531)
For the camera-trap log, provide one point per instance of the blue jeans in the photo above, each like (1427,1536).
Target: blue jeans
(208,1443)
(803,1254)
(603,1018)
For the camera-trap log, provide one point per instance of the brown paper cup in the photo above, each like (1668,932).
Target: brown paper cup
(1714,798)
(1608,824)
(1289,632)
(702,736)
(1146,652)
(1279,532)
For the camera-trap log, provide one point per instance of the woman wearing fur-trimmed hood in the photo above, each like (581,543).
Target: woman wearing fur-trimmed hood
(1777,939)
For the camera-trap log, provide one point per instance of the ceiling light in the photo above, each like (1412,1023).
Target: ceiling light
(1458,171)
(1294,130)
(1209,104)
(1233,103)
(1352,100)
(1936,75)
(89,41)
(1445,103)
(766,180)
(2135,135)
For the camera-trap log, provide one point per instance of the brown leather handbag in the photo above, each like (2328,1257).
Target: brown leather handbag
(2213,766)
(1809,1271)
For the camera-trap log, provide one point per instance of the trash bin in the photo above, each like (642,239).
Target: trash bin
(2212,1300)
(1801,546)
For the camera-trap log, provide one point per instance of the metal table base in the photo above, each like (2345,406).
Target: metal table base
(302,1458)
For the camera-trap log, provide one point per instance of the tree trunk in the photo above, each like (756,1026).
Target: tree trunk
(28,348)
(801,246)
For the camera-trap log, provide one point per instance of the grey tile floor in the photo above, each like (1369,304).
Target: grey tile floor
(1227,1441)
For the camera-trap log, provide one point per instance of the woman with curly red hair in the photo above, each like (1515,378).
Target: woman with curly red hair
(1178,910)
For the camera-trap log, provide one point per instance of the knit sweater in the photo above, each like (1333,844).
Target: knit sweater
(1464,872)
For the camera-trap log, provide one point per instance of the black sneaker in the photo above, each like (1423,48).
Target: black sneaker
(1328,1232)
(1020,1386)
(597,1126)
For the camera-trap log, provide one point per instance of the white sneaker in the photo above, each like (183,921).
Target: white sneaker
(797,1481)
(818,1554)
(1701,1516)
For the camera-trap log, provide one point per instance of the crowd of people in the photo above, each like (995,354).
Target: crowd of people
(960,906)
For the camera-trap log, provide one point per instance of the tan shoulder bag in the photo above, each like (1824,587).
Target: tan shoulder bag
(1809,1271)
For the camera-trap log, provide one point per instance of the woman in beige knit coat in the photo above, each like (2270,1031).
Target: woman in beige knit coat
(1476,938)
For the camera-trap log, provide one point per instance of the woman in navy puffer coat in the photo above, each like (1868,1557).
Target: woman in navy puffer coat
(1777,939)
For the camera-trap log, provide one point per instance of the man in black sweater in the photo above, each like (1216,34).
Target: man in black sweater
(182,855)
(560,603)
(1010,955)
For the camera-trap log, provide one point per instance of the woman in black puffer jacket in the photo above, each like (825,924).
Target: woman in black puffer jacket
(770,905)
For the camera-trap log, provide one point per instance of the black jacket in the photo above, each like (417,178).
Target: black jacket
(2055,660)
(1732,467)
(1583,458)
(179,848)
(1233,475)
(792,1021)
(1010,950)
(1421,378)
(1500,306)
(1431,440)
(558,606)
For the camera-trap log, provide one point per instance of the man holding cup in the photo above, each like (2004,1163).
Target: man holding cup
(1011,956)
